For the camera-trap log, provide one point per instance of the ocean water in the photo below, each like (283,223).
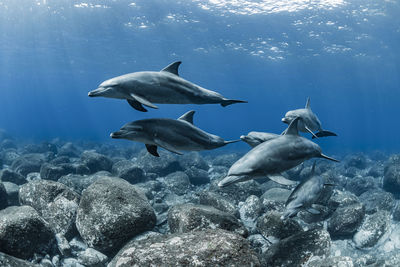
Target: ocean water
(274,54)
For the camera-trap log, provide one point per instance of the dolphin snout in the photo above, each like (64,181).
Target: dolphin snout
(284,120)
(116,135)
(93,93)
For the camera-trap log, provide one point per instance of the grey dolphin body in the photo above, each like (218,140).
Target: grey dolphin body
(172,135)
(253,139)
(305,195)
(163,87)
(309,121)
(273,157)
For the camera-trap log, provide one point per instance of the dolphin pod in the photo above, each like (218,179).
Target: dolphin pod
(145,88)
(172,135)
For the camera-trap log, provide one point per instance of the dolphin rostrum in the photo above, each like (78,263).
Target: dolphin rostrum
(309,121)
(273,157)
(172,135)
(305,195)
(253,139)
(163,87)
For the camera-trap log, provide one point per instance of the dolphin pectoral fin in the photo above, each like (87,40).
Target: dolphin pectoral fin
(292,129)
(167,146)
(324,134)
(329,158)
(313,211)
(136,105)
(173,68)
(227,102)
(281,180)
(228,180)
(152,149)
(143,101)
(311,132)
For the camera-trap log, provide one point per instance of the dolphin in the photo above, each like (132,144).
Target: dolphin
(305,195)
(172,135)
(145,88)
(309,121)
(273,157)
(253,139)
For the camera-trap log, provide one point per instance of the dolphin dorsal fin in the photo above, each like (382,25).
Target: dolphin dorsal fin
(308,103)
(292,129)
(173,68)
(188,116)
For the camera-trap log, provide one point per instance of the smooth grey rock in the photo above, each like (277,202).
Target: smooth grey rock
(75,168)
(51,172)
(225,160)
(376,200)
(28,163)
(191,217)
(10,261)
(345,220)
(178,182)
(67,262)
(167,163)
(391,179)
(68,150)
(237,192)
(250,210)
(54,201)
(60,160)
(200,248)
(96,162)
(358,161)
(342,199)
(258,243)
(23,232)
(193,160)
(272,227)
(92,258)
(12,193)
(8,175)
(9,156)
(197,176)
(372,229)
(275,199)
(77,245)
(129,171)
(338,261)
(63,245)
(3,197)
(219,202)
(46,263)
(359,185)
(111,212)
(297,249)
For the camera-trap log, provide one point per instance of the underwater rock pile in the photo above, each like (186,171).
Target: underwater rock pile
(87,204)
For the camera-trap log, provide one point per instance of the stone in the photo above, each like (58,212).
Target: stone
(372,229)
(391,179)
(68,150)
(23,232)
(193,160)
(275,199)
(75,168)
(10,261)
(60,160)
(191,217)
(129,171)
(237,192)
(358,161)
(396,212)
(345,220)
(12,191)
(272,227)
(92,258)
(297,249)
(63,245)
(226,160)
(167,163)
(359,185)
(111,212)
(9,156)
(200,248)
(7,175)
(51,172)
(250,210)
(28,163)
(258,243)
(40,148)
(338,261)
(219,202)
(54,201)
(178,183)
(79,182)
(96,162)
(197,176)
(77,246)
(376,200)
(3,197)
(66,262)
(342,199)
(7,144)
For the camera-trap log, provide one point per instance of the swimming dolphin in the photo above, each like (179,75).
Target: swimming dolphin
(273,157)
(163,87)
(309,121)
(253,139)
(172,135)
(305,195)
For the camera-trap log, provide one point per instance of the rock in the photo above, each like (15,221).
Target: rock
(66,262)
(219,202)
(372,229)
(60,160)
(77,246)
(345,220)
(225,160)
(339,261)
(51,172)
(8,175)
(275,199)
(95,161)
(297,249)
(377,200)
(54,201)
(258,243)
(178,182)
(193,160)
(351,172)
(28,163)
(129,171)
(12,191)
(250,210)
(359,185)
(46,263)
(111,212)
(272,227)
(197,176)
(3,197)
(79,182)
(191,217)
(10,261)
(33,176)
(75,168)
(92,258)
(358,161)
(396,212)
(23,232)
(63,245)
(167,163)
(68,150)
(40,148)
(9,156)
(201,248)
(376,171)
(342,199)
(238,192)
(391,178)
(7,144)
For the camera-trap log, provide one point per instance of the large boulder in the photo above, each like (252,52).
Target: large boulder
(51,172)
(167,163)
(219,202)
(193,160)
(297,249)
(359,184)
(191,217)
(275,199)
(338,261)
(12,191)
(249,211)
(10,261)
(23,232)
(372,229)
(178,183)
(79,182)
(28,163)
(200,248)
(237,192)
(8,175)
(111,212)
(54,201)
(96,162)
(391,178)
(3,197)
(376,200)
(128,170)
(345,220)
(273,227)
(197,176)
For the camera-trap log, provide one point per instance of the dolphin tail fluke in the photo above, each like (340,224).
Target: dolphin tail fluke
(227,102)
(232,141)
(232,180)
(324,134)
(329,158)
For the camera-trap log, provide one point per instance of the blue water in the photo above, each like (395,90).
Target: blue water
(345,55)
